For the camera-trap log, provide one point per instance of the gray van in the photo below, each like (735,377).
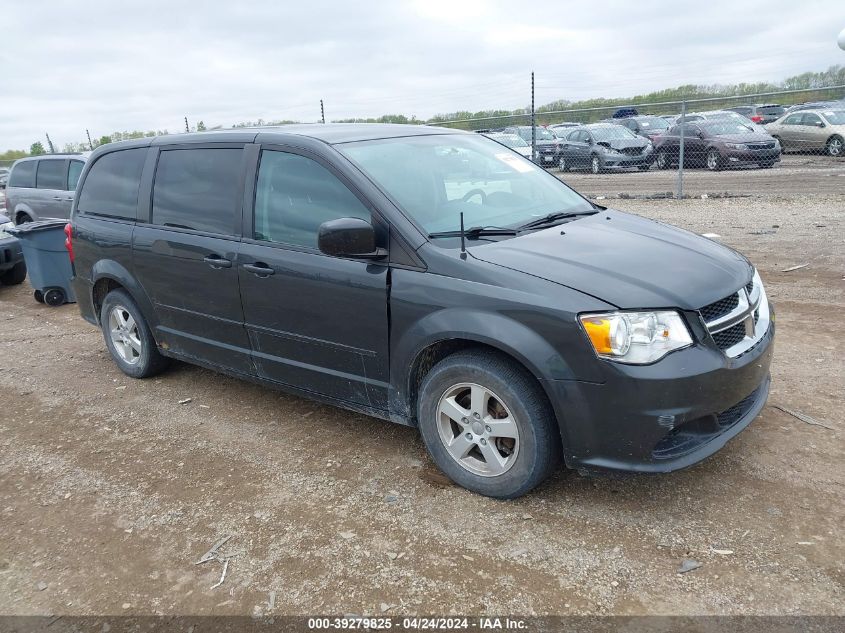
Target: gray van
(42,187)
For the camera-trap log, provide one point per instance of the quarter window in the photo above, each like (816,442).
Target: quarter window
(793,119)
(811,119)
(51,174)
(23,174)
(73,172)
(111,186)
(295,195)
(198,189)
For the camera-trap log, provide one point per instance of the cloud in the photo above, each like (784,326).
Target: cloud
(110,66)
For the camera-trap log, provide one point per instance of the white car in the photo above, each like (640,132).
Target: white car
(514,141)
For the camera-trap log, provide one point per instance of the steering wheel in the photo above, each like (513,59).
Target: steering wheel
(472,192)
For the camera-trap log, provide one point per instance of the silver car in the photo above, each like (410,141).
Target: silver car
(811,130)
(42,187)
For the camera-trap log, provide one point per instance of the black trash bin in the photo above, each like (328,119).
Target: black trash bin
(47,260)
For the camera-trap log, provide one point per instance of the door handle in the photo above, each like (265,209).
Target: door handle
(259,269)
(215,261)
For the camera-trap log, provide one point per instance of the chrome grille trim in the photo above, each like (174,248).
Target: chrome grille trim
(752,311)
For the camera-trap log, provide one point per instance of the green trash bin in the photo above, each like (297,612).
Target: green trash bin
(47,260)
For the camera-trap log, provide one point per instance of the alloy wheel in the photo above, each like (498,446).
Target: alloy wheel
(834,146)
(477,429)
(595,165)
(712,160)
(123,331)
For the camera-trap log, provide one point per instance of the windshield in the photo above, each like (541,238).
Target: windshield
(835,117)
(436,178)
(511,140)
(725,127)
(611,132)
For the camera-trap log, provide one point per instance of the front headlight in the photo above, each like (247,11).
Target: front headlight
(637,338)
(737,145)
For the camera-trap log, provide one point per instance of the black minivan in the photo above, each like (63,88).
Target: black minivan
(429,277)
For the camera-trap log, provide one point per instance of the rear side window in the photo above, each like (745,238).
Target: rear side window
(73,172)
(295,195)
(198,189)
(51,174)
(111,186)
(23,174)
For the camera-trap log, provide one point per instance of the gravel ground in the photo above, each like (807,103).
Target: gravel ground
(110,490)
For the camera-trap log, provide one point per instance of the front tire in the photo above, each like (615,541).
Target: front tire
(596,166)
(714,160)
(15,275)
(663,161)
(487,424)
(835,146)
(128,337)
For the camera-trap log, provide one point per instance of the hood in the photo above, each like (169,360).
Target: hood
(626,261)
(622,143)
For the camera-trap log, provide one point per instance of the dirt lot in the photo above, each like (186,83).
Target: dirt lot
(110,489)
(795,172)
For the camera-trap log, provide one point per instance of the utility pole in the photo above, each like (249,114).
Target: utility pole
(50,143)
(533,123)
(90,144)
(322,111)
(680,193)
(187,129)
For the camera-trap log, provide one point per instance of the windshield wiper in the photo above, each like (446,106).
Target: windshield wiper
(551,218)
(473,233)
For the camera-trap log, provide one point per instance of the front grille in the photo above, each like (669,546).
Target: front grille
(631,151)
(719,308)
(730,337)
(761,146)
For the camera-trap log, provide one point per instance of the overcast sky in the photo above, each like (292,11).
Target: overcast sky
(108,66)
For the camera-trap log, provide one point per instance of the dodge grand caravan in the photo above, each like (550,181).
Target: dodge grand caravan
(429,277)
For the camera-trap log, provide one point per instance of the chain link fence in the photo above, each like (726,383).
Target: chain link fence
(675,147)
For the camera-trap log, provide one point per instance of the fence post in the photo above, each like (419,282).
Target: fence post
(322,112)
(680,193)
(533,123)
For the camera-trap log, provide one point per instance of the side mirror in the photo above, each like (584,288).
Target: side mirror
(820,123)
(349,237)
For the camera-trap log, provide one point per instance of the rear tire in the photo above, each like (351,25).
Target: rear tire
(835,146)
(22,218)
(128,337)
(662,160)
(561,164)
(510,446)
(596,166)
(15,275)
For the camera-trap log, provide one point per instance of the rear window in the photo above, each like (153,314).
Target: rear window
(23,174)
(51,174)
(111,186)
(198,189)
(773,110)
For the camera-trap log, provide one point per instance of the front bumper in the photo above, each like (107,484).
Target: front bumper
(752,157)
(664,416)
(10,253)
(627,160)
